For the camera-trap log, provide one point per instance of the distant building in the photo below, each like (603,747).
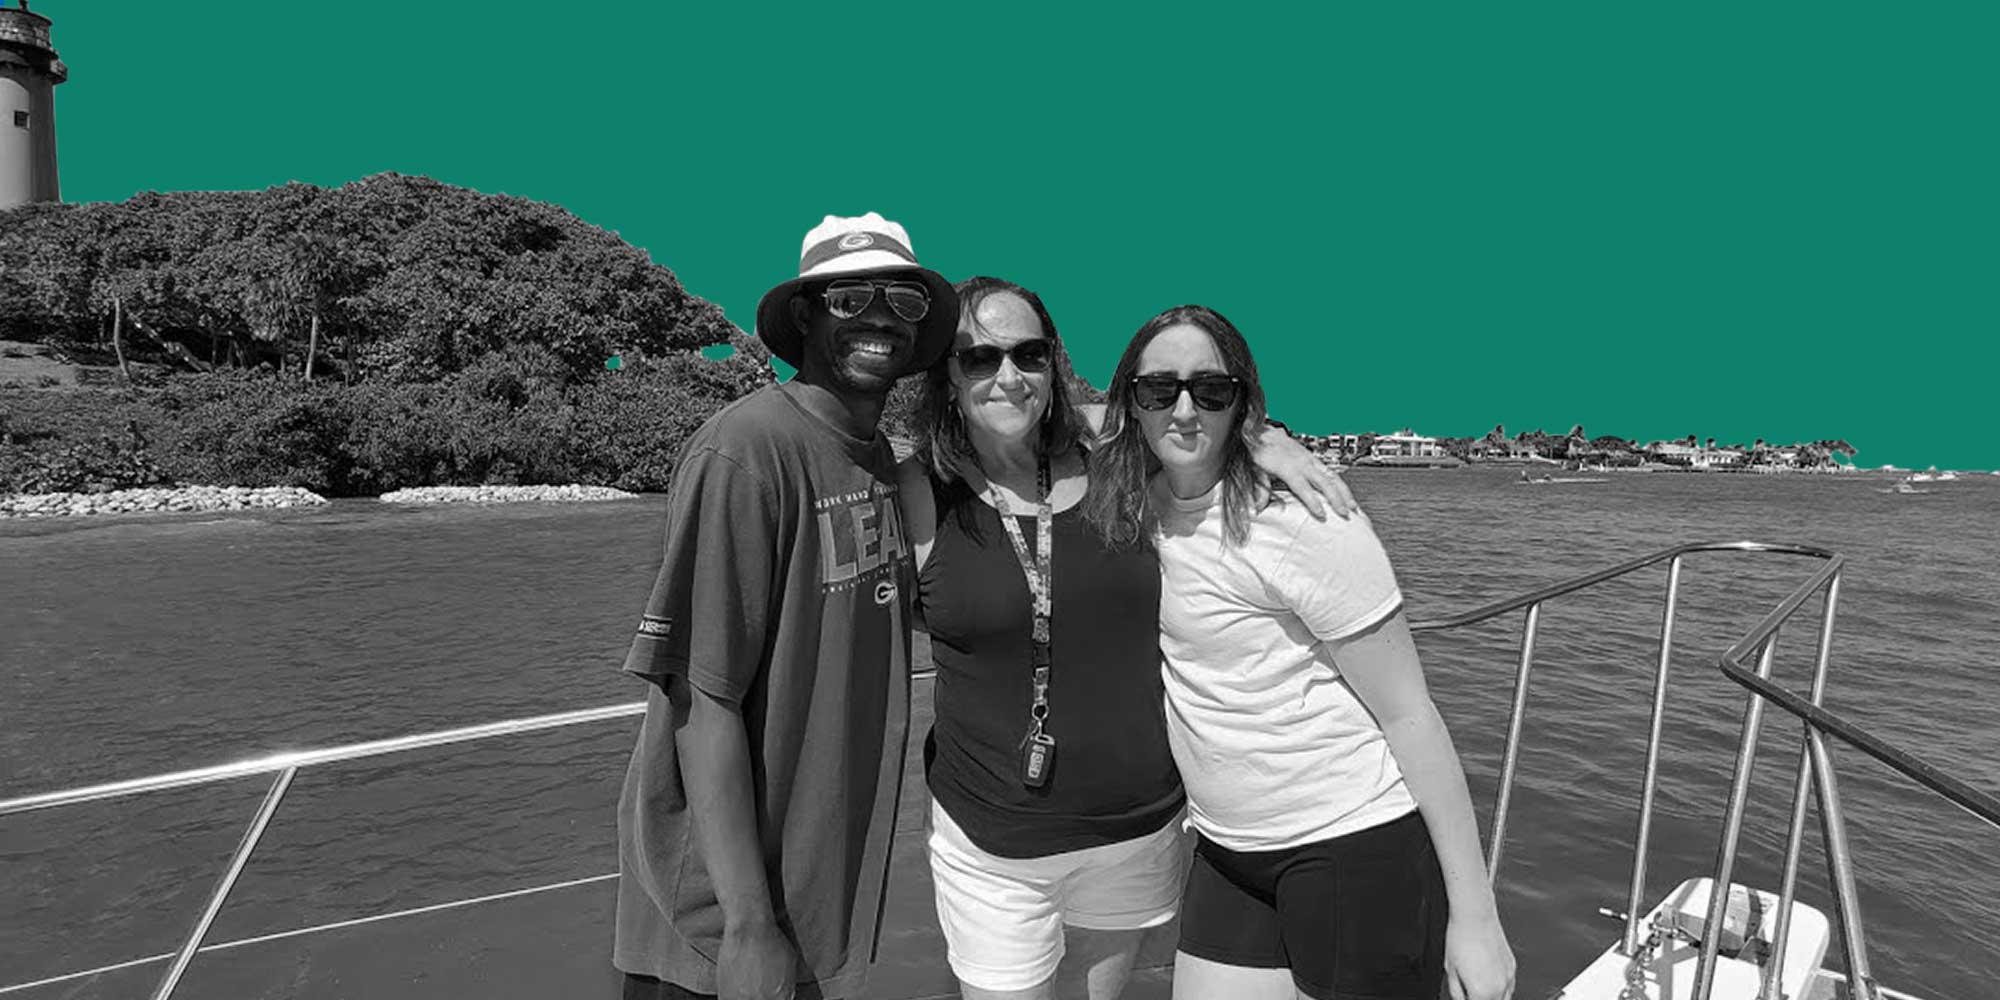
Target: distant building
(29,72)
(1720,458)
(1673,453)
(1407,444)
(1692,456)
(1408,448)
(1505,450)
(1342,446)
(1788,457)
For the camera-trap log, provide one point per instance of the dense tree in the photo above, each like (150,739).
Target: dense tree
(400,278)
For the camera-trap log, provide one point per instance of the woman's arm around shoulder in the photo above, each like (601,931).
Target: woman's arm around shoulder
(913,489)
(1280,457)
(1380,664)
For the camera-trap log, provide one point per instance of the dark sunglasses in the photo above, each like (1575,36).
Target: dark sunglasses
(1032,356)
(1210,392)
(908,299)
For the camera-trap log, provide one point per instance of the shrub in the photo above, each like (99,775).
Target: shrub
(99,465)
(628,428)
(77,441)
(513,417)
(250,429)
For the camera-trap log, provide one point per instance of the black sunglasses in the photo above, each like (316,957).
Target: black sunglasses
(848,299)
(983,361)
(1211,392)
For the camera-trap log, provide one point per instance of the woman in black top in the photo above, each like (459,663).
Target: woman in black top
(1054,796)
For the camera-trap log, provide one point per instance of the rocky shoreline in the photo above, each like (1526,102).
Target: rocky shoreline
(196,499)
(506,494)
(160,499)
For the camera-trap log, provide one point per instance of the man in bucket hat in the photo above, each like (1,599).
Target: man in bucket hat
(754,827)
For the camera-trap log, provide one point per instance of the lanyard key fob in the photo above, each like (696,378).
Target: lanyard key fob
(1038,759)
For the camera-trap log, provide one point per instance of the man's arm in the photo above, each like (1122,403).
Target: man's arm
(756,961)
(701,641)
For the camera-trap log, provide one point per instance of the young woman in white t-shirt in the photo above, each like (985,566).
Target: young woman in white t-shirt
(1338,854)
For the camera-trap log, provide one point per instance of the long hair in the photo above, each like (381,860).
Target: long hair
(941,433)
(1119,502)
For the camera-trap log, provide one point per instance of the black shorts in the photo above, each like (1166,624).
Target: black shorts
(1359,916)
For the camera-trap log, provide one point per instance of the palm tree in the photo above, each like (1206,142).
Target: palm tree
(312,269)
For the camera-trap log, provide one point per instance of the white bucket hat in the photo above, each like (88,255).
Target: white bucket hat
(841,247)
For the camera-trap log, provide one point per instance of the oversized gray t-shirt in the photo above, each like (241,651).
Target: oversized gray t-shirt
(785,589)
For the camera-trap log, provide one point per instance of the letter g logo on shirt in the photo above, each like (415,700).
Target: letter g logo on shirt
(885,592)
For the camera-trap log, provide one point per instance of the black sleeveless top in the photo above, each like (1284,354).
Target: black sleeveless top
(1114,777)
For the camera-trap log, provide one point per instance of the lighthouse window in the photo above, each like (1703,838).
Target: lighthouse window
(20,119)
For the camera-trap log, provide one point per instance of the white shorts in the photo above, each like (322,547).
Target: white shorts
(1003,917)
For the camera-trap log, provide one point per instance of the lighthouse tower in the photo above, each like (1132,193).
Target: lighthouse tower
(29,72)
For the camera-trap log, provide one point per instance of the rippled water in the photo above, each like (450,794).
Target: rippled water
(137,645)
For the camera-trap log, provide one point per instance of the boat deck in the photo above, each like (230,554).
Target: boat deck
(558,943)
(555,940)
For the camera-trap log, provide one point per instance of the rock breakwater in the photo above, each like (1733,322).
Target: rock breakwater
(505,494)
(156,500)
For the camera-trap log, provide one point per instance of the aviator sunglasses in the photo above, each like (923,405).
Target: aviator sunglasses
(1211,392)
(848,299)
(983,361)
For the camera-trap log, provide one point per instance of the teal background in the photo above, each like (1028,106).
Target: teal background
(1736,221)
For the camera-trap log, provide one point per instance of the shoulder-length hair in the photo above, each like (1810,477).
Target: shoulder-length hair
(942,437)
(1119,502)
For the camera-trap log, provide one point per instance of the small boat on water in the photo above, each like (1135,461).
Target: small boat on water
(1903,486)
(1698,942)
(1527,480)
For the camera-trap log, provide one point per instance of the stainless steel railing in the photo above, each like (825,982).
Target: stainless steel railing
(1815,770)
(1532,603)
(1815,773)
(286,767)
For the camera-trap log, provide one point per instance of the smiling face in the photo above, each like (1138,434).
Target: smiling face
(1192,443)
(862,355)
(1009,404)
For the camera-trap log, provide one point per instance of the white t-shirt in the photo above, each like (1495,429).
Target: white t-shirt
(1275,748)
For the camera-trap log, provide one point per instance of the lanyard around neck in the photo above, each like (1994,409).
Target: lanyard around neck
(1038,748)
(1036,569)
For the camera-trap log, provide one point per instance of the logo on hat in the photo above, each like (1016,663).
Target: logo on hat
(842,247)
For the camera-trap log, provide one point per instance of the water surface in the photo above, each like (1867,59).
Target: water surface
(136,645)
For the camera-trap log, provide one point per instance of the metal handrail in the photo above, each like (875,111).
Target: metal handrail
(287,766)
(1816,776)
(1815,769)
(1532,602)
(308,758)
(1573,584)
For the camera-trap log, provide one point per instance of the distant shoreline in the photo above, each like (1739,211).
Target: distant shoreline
(209,499)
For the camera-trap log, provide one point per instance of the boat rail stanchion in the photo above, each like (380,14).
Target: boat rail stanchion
(1840,868)
(241,858)
(1732,829)
(1634,902)
(1801,792)
(1513,753)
